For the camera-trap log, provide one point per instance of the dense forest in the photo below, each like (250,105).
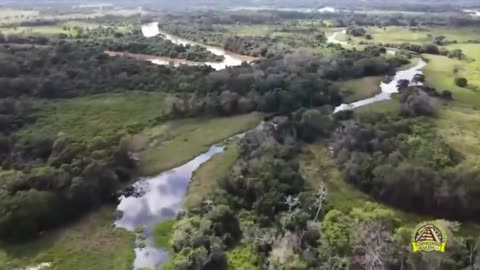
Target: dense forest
(269,210)
(59,174)
(280,221)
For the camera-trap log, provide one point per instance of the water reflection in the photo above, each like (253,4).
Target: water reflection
(160,198)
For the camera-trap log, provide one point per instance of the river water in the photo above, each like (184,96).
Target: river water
(387,89)
(230,59)
(160,197)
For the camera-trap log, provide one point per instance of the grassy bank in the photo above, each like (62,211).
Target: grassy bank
(204,180)
(362,88)
(90,243)
(318,166)
(176,142)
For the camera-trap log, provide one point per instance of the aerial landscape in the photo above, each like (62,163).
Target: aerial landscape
(240,134)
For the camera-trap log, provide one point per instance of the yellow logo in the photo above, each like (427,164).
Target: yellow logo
(429,237)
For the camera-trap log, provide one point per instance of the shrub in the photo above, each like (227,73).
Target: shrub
(461,82)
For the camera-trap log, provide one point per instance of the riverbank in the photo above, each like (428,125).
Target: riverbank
(171,144)
(88,243)
(229,58)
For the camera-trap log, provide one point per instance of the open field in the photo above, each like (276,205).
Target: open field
(397,34)
(90,243)
(204,180)
(13,15)
(69,28)
(459,126)
(386,106)
(99,115)
(441,72)
(362,88)
(471,67)
(176,142)
(9,16)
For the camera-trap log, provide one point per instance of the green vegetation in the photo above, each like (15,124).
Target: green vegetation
(77,124)
(362,88)
(421,35)
(89,243)
(241,258)
(204,179)
(162,233)
(441,72)
(191,136)
(386,106)
(459,127)
(104,115)
(70,28)
(319,168)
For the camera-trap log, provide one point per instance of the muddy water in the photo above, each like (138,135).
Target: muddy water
(230,59)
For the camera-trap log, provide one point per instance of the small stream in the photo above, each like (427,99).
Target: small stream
(387,89)
(160,197)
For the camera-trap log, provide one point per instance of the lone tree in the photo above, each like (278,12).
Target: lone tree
(446,94)
(461,82)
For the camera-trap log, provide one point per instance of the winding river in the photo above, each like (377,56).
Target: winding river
(387,89)
(160,197)
(230,58)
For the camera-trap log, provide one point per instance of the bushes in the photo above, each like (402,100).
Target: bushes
(160,46)
(56,181)
(461,82)
(356,31)
(404,163)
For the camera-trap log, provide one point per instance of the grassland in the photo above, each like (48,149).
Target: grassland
(459,126)
(99,115)
(362,88)
(441,72)
(174,143)
(391,106)
(70,28)
(398,34)
(9,16)
(90,243)
(204,180)
(13,15)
